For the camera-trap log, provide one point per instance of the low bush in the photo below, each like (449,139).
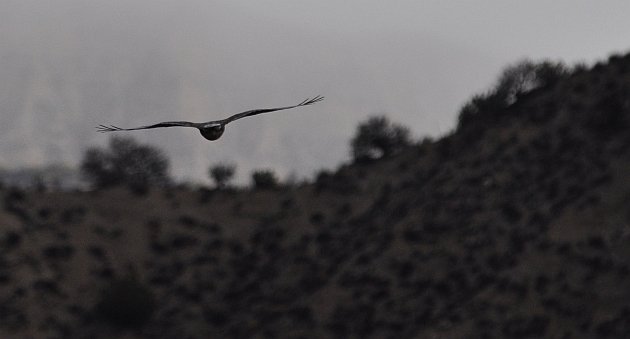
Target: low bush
(125,162)
(264,179)
(222,174)
(126,303)
(378,137)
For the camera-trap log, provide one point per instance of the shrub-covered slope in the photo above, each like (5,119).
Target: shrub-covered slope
(514,226)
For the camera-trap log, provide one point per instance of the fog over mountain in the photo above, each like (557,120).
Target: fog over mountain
(67,66)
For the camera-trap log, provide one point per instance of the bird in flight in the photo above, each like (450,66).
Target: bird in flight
(211,130)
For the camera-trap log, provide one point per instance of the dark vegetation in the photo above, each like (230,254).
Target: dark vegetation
(378,137)
(222,174)
(516,82)
(126,162)
(264,179)
(513,226)
(126,303)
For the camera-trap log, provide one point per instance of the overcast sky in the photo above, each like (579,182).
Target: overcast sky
(68,65)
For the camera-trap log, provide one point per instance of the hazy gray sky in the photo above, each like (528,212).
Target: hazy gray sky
(567,28)
(69,65)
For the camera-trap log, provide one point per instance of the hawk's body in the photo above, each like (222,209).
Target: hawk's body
(211,130)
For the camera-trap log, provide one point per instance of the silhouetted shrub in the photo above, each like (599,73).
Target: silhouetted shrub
(317,218)
(73,214)
(287,203)
(378,137)
(58,252)
(500,261)
(187,221)
(13,317)
(11,240)
(5,278)
(412,235)
(596,242)
(49,286)
(541,284)
(579,67)
(15,194)
(617,326)
(44,213)
(547,111)
(510,211)
(97,252)
(480,106)
(215,317)
(158,248)
(222,174)
(609,114)
(580,88)
(181,241)
(344,209)
(564,248)
(13,203)
(126,303)
(525,76)
(205,195)
(514,81)
(526,327)
(342,182)
(264,179)
(322,180)
(445,148)
(125,162)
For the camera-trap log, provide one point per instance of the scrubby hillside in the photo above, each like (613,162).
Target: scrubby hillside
(514,226)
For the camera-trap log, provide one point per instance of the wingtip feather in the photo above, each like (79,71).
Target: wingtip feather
(110,128)
(309,101)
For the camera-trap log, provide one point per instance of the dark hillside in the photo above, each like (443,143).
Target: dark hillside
(514,226)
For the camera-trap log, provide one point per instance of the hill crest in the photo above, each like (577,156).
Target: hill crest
(512,226)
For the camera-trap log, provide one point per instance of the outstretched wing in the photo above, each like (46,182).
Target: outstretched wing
(267,110)
(112,128)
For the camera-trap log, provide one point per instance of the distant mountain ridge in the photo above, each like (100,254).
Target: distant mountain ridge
(54,177)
